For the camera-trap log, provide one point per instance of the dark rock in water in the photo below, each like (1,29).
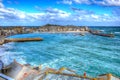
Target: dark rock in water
(1,64)
(36,68)
(27,64)
(82,34)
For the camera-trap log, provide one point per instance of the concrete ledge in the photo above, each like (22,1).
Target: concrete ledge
(22,39)
(6,40)
(1,41)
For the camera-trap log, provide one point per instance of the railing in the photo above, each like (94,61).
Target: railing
(2,76)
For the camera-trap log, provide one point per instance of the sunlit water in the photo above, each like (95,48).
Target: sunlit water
(90,53)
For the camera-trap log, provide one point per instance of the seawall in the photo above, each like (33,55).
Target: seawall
(6,40)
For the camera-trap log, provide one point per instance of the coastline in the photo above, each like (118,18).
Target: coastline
(4,38)
(64,32)
(68,32)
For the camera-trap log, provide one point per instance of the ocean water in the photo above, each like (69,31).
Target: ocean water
(90,53)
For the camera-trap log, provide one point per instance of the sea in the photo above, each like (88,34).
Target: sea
(92,54)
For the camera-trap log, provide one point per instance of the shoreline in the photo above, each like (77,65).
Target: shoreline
(2,41)
(65,32)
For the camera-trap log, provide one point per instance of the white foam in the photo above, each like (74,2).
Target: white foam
(8,56)
(4,47)
(117,32)
(21,60)
(2,50)
(53,63)
(9,45)
(102,30)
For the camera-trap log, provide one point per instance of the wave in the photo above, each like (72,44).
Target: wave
(54,63)
(74,52)
(4,47)
(5,55)
(117,32)
(2,50)
(117,39)
(6,58)
(102,30)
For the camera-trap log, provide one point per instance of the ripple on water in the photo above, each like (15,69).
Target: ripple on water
(93,54)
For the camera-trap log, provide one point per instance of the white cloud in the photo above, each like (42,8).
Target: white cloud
(1,5)
(52,15)
(95,16)
(1,17)
(116,12)
(38,8)
(98,2)
(35,16)
(67,2)
(82,1)
(75,1)
(10,13)
(54,12)
(107,2)
(81,11)
(88,16)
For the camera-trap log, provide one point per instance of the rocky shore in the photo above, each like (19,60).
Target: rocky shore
(48,28)
(12,30)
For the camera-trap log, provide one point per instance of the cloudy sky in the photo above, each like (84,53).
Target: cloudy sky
(63,12)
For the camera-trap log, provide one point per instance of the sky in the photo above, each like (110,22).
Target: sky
(61,12)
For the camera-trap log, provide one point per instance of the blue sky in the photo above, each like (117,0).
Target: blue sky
(62,12)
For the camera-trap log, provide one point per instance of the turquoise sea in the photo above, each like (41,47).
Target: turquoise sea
(90,53)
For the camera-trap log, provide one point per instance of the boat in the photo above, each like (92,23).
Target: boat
(101,34)
(82,34)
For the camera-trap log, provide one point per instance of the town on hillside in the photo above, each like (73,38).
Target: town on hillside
(12,30)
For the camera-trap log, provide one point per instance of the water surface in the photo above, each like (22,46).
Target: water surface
(90,53)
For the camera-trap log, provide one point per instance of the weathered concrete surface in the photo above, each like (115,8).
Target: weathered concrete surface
(6,40)
(1,40)
(26,72)
(21,39)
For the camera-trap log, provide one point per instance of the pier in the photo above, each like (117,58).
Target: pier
(6,40)
(101,34)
